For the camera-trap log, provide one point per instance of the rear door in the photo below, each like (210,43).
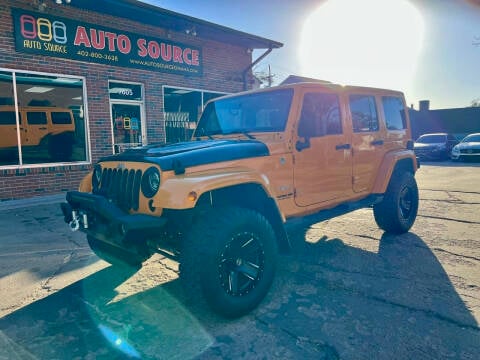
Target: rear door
(35,127)
(323,164)
(368,140)
(395,118)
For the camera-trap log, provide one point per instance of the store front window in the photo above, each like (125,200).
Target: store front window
(182,109)
(126,102)
(42,119)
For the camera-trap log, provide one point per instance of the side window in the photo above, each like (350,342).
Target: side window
(394,112)
(364,113)
(36,118)
(320,115)
(61,118)
(7,118)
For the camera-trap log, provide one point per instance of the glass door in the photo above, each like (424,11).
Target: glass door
(127,126)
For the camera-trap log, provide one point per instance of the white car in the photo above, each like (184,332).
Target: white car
(468,148)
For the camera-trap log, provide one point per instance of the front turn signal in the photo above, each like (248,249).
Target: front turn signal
(192,196)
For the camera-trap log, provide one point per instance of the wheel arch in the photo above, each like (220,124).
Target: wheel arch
(252,196)
(393,163)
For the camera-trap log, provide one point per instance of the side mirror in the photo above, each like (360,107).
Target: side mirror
(302,145)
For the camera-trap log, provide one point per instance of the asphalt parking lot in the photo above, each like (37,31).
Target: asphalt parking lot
(347,291)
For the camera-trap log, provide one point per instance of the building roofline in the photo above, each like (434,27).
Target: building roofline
(153,15)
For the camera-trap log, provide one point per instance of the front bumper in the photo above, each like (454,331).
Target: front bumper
(105,221)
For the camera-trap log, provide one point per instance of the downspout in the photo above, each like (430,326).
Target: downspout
(245,72)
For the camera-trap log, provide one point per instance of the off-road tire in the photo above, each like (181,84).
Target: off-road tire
(229,255)
(60,147)
(397,212)
(116,256)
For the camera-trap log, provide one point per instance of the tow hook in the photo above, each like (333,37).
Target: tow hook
(75,223)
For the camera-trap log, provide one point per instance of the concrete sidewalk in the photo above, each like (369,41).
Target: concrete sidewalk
(40,200)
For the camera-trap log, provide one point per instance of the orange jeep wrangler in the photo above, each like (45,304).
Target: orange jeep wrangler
(41,127)
(219,203)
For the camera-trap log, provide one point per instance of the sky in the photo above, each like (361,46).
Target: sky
(425,48)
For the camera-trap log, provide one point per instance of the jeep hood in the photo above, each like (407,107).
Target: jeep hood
(181,155)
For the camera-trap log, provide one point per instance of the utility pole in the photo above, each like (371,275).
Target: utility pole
(269,76)
(266,77)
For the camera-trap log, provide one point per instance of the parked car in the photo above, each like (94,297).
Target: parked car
(436,146)
(468,148)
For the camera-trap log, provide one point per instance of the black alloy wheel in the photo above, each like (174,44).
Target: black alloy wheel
(241,264)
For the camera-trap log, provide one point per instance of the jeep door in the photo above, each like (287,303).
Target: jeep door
(323,164)
(8,128)
(35,127)
(368,140)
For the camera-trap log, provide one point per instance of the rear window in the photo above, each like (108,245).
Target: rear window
(61,118)
(36,118)
(394,113)
(364,113)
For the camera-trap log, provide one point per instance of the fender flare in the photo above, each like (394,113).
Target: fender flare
(394,160)
(182,192)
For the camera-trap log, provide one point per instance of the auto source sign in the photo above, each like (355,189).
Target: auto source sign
(51,36)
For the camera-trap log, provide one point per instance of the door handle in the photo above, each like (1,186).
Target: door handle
(342,147)
(377,142)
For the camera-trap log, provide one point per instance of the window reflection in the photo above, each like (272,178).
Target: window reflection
(51,125)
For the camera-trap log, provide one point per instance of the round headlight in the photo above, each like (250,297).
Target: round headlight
(96,177)
(150,182)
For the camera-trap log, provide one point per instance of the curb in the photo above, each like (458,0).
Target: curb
(41,200)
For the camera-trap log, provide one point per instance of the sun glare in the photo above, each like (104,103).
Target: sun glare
(369,42)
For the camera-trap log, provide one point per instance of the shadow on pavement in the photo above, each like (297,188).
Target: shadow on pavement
(335,300)
(82,322)
(395,303)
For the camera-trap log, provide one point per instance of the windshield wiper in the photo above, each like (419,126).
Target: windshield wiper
(247,134)
(204,133)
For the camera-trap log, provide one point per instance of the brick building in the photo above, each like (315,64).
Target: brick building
(457,121)
(86,79)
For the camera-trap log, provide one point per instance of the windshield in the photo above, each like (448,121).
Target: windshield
(256,112)
(472,138)
(431,139)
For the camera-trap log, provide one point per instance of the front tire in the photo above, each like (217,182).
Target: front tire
(230,254)
(60,147)
(397,212)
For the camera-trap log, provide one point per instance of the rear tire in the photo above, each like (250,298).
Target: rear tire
(230,255)
(397,212)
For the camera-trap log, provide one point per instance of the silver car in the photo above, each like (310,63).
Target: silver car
(468,148)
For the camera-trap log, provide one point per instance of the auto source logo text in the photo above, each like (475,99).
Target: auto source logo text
(40,34)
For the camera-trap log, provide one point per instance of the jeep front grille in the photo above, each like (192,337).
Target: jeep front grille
(121,186)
